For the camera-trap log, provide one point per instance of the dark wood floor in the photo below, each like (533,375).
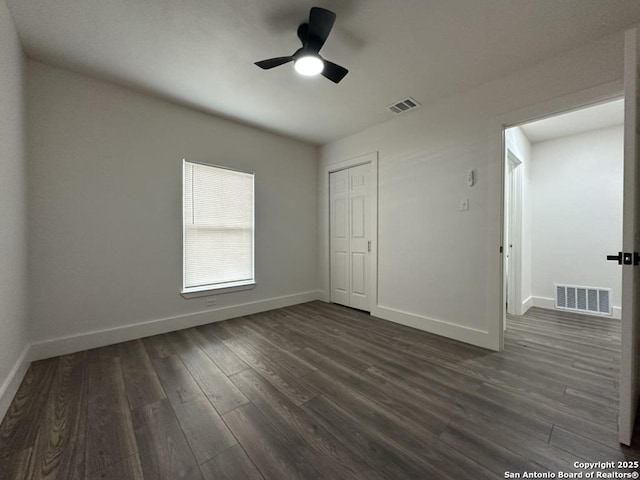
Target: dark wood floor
(319,391)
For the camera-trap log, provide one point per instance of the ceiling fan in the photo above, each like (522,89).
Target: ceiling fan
(307,59)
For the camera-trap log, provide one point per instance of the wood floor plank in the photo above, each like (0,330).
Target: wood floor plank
(126,469)
(415,439)
(594,396)
(431,401)
(543,348)
(102,354)
(550,342)
(26,412)
(241,337)
(232,464)
(466,398)
(110,436)
(558,366)
(275,456)
(401,403)
(603,369)
(163,449)
(588,449)
(597,414)
(158,346)
(586,330)
(530,370)
(535,408)
(222,393)
(140,379)
(228,361)
(289,384)
(58,450)
(336,348)
(382,332)
(205,431)
(503,434)
(16,466)
(375,450)
(586,326)
(440,379)
(381,350)
(288,343)
(179,385)
(294,423)
(492,456)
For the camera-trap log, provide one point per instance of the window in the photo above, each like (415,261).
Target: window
(218,214)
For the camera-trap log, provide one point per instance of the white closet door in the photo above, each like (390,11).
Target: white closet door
(359,220)
(350,236)
(339,228)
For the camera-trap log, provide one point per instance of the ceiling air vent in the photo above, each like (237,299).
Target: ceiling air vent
(403,106)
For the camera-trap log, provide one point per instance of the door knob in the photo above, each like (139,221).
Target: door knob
(617,258)
(626,258)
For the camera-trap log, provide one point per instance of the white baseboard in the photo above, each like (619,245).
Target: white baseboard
(526,305)
(10,386)
(550,304)
(100,338)
(439,327)
(543,302)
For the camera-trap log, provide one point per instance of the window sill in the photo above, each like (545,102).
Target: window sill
(209,291)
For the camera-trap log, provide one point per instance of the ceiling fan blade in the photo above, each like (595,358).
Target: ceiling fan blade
(333,72)
(320,25)
(303,33)
(273,62)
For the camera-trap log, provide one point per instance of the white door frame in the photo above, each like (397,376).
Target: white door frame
(371,158)
(513,235)
(591,96)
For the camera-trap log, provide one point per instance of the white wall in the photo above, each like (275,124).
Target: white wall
(13,213)
(576,184)
(519,144)
(439,268)
(105,211)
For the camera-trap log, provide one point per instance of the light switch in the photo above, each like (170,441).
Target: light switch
(471,177)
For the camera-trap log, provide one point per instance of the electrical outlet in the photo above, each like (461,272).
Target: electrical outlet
(210,302)
(464,204)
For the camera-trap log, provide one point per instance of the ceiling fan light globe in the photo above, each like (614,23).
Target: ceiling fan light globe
(309,65)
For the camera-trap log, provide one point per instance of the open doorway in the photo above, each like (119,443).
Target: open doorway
(623,387)
(563,212)
(563,215)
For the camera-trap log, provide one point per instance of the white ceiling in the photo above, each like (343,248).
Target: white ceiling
(201,52)
(577,121)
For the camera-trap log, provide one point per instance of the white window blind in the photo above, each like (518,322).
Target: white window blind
(218,221)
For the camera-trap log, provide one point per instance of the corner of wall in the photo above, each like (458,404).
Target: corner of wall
(12,383)
(14,348)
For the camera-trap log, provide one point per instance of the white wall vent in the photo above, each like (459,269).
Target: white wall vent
(592,300)
(403,106)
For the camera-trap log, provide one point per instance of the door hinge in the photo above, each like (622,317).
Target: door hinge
(369,245)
